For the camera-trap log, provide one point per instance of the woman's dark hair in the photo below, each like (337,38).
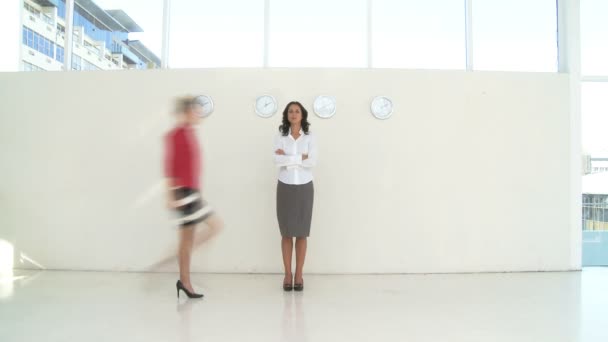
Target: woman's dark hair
(284,127)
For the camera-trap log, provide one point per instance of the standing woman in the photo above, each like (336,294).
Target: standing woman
(295,154)
(183,171)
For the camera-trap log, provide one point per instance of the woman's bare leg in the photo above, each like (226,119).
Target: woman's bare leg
(287,249)
(301,245)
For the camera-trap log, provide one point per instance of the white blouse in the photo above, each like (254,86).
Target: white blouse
(292,169)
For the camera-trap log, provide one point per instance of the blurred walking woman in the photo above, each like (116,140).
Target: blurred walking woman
(183,172)
(295,152)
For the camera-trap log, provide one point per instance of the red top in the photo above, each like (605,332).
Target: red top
(183,157)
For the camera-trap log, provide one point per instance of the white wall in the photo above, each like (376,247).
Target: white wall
(471,173)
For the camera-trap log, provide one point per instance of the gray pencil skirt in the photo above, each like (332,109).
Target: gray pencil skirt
(294,208)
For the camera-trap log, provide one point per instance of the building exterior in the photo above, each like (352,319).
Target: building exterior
(101,38)
(595,219)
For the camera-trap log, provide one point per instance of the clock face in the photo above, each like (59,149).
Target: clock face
(325,106)
(382,107)
(266,106)
(204,104)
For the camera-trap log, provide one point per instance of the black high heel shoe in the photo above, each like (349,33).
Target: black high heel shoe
(288,286)
(299,287)
(180,286)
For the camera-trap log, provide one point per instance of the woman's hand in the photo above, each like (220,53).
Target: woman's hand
(305,156)
(171,200)
(171,204)
(280,152)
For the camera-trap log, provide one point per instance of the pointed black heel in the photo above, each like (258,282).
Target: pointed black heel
(180,286)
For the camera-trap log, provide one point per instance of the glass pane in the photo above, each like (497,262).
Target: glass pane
(594,110)
(118,34)
(318,33)
(426,34)
(211,33)
(107,34)
(594,37)
(515,35)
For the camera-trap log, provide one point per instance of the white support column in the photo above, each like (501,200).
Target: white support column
(468,18)
(69,35)
(569,61)
(266,62)
(164,59)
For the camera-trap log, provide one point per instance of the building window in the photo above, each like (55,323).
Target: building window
(86,65)
(31,67)
(76,62)
(59,54)
(47,19)
(38,42)
(31,9)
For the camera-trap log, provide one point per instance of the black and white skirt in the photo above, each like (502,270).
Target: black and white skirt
(191,207)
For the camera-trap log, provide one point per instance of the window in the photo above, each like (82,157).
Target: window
(76,62)
(47,19)
(594,112)
(38,42)
(515,35)
(30,38)
(427,34)
(35,46)
(86,65)
(135,47)
(31,67)
(59,54)
(318,33)
(31,9)
(594,37)
(211,33)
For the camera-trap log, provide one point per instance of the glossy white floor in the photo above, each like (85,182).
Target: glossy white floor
(90,306)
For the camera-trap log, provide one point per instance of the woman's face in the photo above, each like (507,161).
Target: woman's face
(193,114)
(294,114)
